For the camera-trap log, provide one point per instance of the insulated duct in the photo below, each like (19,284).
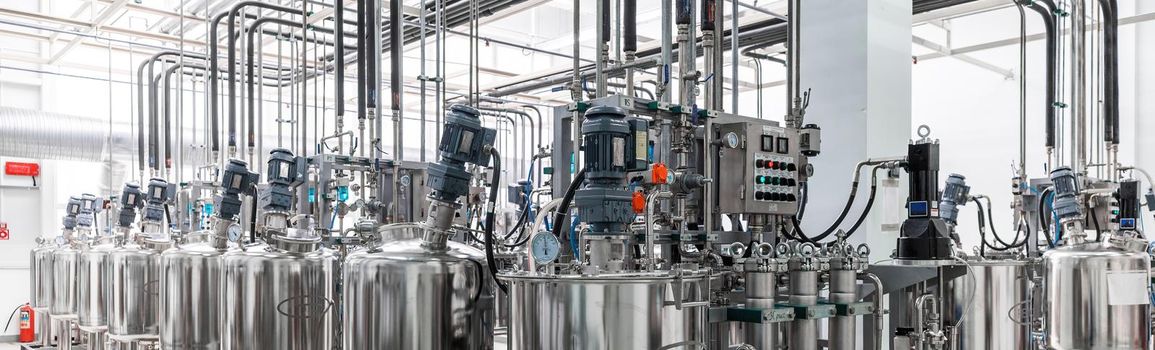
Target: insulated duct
(34,134)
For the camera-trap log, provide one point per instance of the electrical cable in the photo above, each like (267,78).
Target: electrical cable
(489,217)
(1095,221)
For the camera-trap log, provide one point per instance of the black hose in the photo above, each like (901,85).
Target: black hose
(708,8)
(1044,216)
(805,198)
(834,226)
(563,208)
(865,211)
(684,12)
(9,324)
(489,218)
(1046,12)
(1110,70)
(630,26)
(606,22)
(991,221)
(1095,222)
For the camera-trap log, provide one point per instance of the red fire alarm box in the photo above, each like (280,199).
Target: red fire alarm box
(21,169)
(4,231)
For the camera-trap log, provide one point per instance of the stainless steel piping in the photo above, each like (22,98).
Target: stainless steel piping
(651,261)
(667,21)
(879,313)
(1079,103)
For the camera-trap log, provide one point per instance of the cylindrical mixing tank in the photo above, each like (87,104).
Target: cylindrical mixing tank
(611,311)
(1096,297)
(41,277)
(65,261)
(92,285)
(135,288)
(190,292)
(993,298)
(279,296)
(404,296)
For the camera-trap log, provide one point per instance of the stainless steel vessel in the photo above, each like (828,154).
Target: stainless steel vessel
(65,261)
(135,274)
(994,300)
(40,293)
(40,268)
(93,283)
(640,310)
(279,296)
(403,296)
(190,292)
(1096,297)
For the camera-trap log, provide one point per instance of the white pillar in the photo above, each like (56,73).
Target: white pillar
(856,58)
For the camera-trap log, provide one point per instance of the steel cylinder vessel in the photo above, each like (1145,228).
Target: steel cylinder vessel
(279,296)
(40,293)
(65,261)
(994,301)
(134,303)
(190,282)
(93,283)
(1096,298)
(404,296)
(40,269)
(639,310)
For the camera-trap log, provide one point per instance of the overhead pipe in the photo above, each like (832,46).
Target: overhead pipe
(250,58)
(232,61)
(1111,136)
(527,148)
(396,73)
(1046,10)
(1078,66)
(794,65)
(603,47)
(166,78)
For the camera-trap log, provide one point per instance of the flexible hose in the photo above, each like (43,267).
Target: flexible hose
(489,217)
(1044,226)
(563,209)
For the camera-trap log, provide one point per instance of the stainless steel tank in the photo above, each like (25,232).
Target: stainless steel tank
(190,289)
(279,296)
(93,283)
(1096,297)
(612,311)
(65,261)
(994,301)
(134,305)
(40,268)
(403,296)
(40,293)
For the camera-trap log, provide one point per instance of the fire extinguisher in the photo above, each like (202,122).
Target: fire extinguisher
(27,324)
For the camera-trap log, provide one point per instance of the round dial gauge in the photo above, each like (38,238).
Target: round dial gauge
(235,232)
(545,247)
(731,140)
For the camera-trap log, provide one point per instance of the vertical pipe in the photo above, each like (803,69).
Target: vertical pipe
(395,74)
(1078,86)
(576,92)
(734,57)
(793,62)
(1022,167)
(603,47)
(422,78)
(708,57)
(339,64)
(667,51)
(630,40)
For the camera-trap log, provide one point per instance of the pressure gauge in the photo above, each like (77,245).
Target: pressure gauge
(544,247)
(234,232)
(731,140)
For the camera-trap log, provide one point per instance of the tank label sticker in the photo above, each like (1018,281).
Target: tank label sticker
(1127,288)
